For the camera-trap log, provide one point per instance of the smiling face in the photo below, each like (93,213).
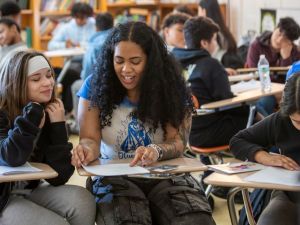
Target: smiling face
(129,64)
(40,86)
(295,118)
(7,34)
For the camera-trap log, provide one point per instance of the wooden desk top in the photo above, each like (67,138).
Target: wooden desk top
(46,173)
(272,69)
(242,77)
(247,96)
(236,180)
(69,52)
(186,165)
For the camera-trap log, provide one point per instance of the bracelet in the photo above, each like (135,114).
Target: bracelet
(158,149)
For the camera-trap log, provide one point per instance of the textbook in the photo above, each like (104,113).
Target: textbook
(233,168)
(26,168)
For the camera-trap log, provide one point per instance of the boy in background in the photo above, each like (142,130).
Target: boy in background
(10,9)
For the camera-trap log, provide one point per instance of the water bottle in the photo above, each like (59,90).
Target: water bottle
(264,73)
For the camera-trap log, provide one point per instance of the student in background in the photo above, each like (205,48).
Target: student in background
(75,33)
(277,46)
(10,37)
(104,23)
(118,118)
(281,129)
(32,128)
(226,51)
(10,9)
(172,27)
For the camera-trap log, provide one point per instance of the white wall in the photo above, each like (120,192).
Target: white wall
(245,14)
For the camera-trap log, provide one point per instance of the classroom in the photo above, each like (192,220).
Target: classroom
(149,112)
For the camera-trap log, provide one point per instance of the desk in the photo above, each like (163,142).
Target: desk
(67,54)
(46,173)
(272,69)
(186,165)
(242,77)
(237,180)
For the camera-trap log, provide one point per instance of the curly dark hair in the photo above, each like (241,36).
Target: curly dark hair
(164,97)
(291,96)
(81,9)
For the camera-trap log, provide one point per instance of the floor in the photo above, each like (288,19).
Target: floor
(220,213)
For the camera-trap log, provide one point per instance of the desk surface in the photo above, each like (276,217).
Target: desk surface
(185,165)
(272,69)
(247,96)
(236,180)
(69,52)
(46,173)
(242,77)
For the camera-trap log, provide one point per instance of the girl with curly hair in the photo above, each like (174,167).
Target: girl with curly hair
(136,105)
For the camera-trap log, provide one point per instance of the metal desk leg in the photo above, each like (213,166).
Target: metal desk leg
(248,207)
(231,204)
(252,108)
(62,74)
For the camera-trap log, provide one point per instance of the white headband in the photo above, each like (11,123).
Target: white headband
(36,63)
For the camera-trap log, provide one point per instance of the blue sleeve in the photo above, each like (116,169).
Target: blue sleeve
(85,89)
(59,39)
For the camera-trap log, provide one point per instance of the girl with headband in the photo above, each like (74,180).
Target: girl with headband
(32,128)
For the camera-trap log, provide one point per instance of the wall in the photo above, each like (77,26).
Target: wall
(245,14)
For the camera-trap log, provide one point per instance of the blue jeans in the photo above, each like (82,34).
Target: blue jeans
(266,105)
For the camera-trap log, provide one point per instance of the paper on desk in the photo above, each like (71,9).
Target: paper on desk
(275,175)
(245,86)
(115,169)
(26,168)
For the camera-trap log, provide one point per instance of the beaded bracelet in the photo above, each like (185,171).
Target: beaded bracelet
(158,149)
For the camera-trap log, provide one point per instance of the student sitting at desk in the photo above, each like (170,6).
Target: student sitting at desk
(32,128)
(281,129)
(136,105)
(10,37)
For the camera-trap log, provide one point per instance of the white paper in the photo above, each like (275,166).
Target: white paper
(233,168)
(245,86)
(275,175)
(115,169)
(26,168)
(240,77)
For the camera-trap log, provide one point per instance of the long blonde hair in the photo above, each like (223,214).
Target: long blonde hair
(13,82)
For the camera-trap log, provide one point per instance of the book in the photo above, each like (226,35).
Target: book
(26,168)
(233,168)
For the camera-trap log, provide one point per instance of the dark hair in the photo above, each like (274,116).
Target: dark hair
(289,27)
(291,96)
(10,22)
(213,11)
(184,9)
(81,9)
(197,29)
(10,8)
(163,98)
(104,21)
(174,18)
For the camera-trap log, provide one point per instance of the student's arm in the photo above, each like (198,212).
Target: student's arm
(253,144)
(253,55)
(88,148)
(59,39)
(172,147)
(289,54)
(16,144)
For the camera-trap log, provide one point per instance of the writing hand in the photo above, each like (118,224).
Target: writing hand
(145,155)
(83,155)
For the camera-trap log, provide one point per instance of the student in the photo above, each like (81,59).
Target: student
(277,46)
(281,129)
(226,51)
(104,23)
(10,9)
(209,82)
(77,31)
(32,128)
(127,110)
(172,27)
(184,9)
(10,37)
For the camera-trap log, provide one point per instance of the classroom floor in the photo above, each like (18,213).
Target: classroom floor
(220,213)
